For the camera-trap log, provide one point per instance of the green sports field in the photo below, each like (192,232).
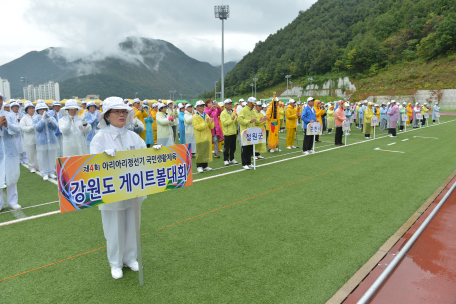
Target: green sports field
(292,231)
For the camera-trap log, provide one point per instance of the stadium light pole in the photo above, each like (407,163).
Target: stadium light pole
(170,92)
(287,77)
(136,93)
(255,79)
(215,90)
(25,79)
(252,87)
(291,84)
(222,12)
(180,96)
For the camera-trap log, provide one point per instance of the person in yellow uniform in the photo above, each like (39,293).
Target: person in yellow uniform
(330,117)
(274,125)
(140,114)
(83,108)
(319,111)
(299,111)
(409,112)
(367,127)
(281,116)
(202,125)
(259,148)
(292,116)
(267,126)
(153,113)
(424,110)
(228,120)
(247,119)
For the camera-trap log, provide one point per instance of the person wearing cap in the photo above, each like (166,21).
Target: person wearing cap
(181,119)
(118,218)
(47,145)
(229,123)
(402,112)
(367,123)
(330,117)
(409,112)
(6,107)
(189,133)
(261,119)
(83,110)
(26,125)
(92,119)
(281,114)
(19,138)
(292,117)
(247,119)
(55,112)
(393,113)
(388,108)
(308,116)
(9,158)
(416,111)
(383,115)
(125,101)
(436,110)
(153,113)
(240,106)
(339,118)
(148,124)
(348,114)
(164,123)
(319,112)
(73,128)
(357,118)
(213,110)
(140,114)
(202,125)
(299,111)
(424,110)
(172,112)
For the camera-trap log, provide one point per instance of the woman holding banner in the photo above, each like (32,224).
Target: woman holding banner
(119,217)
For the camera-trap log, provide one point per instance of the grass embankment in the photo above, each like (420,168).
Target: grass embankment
(291,232)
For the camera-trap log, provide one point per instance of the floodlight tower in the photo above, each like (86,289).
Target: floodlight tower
(215,90)
(287,77)
(291,84)
(25,79)
(252,88)
(222,12)
(255,79)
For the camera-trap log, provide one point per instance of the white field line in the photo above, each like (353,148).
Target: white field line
(391,144)
(31,206)
(405,139)
(231,172)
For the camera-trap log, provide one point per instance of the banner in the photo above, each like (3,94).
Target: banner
(91,180)
(374,121)
(419,116)
(426,115)
(346,125)
(405,117)
(253,136)
(313,128)
(437,115)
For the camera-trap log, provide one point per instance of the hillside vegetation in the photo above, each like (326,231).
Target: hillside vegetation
(355,38)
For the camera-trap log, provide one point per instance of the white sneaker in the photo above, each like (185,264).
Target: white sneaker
(392,136)
(234,162)
(45,177)
(255,158)
(32,170)
(305,153)
(2,186)
(293,147)
(199,169)
(15,207)
(251,166)
(260,157)
(207,169)
(272,151)
(133,266)
(348,133)
(52,175)
(312,152)
(289,148)
(278,150)
(246,167)
(116,273)
(226,163)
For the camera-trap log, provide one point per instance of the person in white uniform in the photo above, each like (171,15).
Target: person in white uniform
(92,119)
(55,112)
(47,146)
(119,217)
(189,134)
(73,128)
(9,158)
(15,109)
(26,125)
(164,124)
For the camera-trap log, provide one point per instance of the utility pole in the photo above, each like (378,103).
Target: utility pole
(25,79)
(287,77)
(252,88)
(255,79)
(222,12)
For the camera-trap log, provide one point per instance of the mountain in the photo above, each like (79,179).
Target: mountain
(147,66)
(356,38)
(228,66)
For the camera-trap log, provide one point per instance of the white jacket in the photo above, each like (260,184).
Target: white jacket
(74,142)
(9,156)
(189,134)
(29,132)
(110,138)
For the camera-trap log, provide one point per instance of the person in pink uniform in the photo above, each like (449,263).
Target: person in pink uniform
(394,116)
(214,111)
(339,117)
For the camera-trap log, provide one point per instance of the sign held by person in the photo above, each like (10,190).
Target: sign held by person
(374,121)
(253,136)
(313,128)
(91,180)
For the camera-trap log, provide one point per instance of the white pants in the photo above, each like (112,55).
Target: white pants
(46,161)
(31,157)
(119,231)
(11,195)
(24,157)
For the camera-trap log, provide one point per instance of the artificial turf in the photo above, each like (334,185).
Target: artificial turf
(293,231)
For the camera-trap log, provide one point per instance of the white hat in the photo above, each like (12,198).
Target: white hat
(154,105)
(436,103)
(251,99)
(221,104)
(425,103)
(41,101)
(228,101)
(71,104)
(161,105)
(404,103)
(200,103)
(56,103)
(118,104)
(136,100)
(265,105)
(169,101)
(83,102)
(298,102)
(19,101)
(125,99)
(41,106)
(14,104)
(180,105)
(28,104)
(393,101)
(91,104)
(365,101)
(129,103)
(145,101)
(291,101)
(347,104)
(244,103)
(310,99)
(6,105)
(188,105)
(241,100)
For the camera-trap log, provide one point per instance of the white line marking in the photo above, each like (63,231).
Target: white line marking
(378,149)
(405,139)
(426,137)
(31,206)
(391,144)
(29,218)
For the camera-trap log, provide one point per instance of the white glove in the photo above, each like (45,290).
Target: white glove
(63,112)
(157,147)
(84,122)
(110,152)
(45,114)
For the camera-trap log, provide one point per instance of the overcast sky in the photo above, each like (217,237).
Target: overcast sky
(88,25)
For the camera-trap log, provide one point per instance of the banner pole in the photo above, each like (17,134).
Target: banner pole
(254,158)
(313,147)
(138,242)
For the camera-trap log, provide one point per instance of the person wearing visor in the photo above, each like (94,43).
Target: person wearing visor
(73,128)
(172,112)
(92,119)
(181,119)
(140,114)
(164,126)
(247,119)
(47,146)
(292,117)
(229,123)
(55,112)
(261,119)
(202,125)
(26,125)
(118,218)
(189,134)
(15,109)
